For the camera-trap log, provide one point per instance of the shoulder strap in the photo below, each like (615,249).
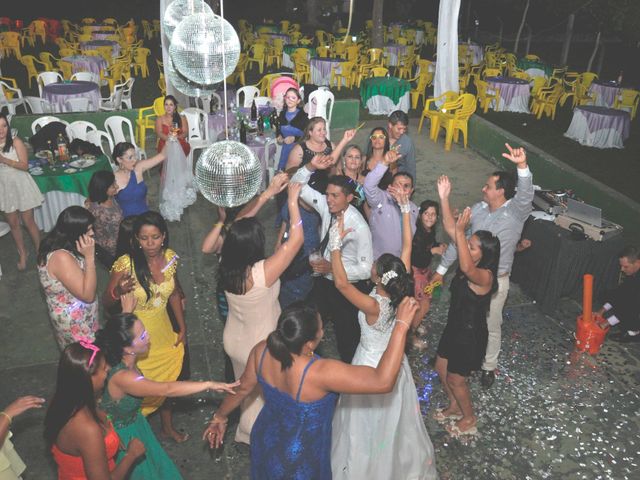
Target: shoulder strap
(304,374)
(261,359)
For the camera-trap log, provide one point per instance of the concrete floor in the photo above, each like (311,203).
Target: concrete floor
(551,413)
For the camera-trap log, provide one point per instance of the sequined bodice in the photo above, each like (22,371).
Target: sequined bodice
(121,412)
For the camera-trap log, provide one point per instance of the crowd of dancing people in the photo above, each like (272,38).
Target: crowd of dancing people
(353,251)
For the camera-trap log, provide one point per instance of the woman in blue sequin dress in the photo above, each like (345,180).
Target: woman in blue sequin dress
(291,438)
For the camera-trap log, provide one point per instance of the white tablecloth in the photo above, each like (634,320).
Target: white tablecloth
(381,105)
(536,72)
(609,131)
(321,70)
(55,202)
(514,94)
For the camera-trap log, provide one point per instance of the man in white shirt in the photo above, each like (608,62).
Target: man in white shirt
(357,253)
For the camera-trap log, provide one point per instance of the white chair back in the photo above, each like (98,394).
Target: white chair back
(79,104)
(85,77)
(262,101)
(198,121)
(45,78)
(80,129)
(114,101)
(12,103)
(115,127)
(40,122)
(321,105)
(249,92)
(98,138)
(38,105)
(204,102)
(127,92)
(271,160)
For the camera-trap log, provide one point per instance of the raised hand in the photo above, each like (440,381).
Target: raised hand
(391,156)
(516,155)
(86,245)
(22,404)
(407,309)
(125,284)
(463,219)
(444,187)
(278,183)
(128,302)
(348,135)
(321,162)
(294,191)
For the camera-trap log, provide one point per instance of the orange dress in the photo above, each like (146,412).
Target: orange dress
(71,467)
(186,148)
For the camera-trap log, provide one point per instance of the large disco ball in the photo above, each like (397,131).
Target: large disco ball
(186,86)
(179,9)
(228,174)
(197,46)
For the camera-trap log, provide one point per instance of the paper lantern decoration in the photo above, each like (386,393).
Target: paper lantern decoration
(198,44)
(179,9)
(228,174)
(186,86)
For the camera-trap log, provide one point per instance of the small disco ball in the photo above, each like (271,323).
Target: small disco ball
(228,174)
(186,86)
(179,9)
(198,44)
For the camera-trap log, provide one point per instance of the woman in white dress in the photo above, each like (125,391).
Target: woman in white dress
(19,194)
(380,436)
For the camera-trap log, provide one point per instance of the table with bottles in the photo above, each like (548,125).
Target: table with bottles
(63,183)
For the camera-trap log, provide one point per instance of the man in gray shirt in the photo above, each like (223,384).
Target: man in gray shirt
(402,143)
(502,211)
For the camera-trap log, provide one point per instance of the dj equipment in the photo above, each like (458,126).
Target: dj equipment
(585,221)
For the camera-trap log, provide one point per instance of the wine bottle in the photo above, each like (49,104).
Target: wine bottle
(254,111)
(243,133)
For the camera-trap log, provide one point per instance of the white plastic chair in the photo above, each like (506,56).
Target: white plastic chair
(113,101)
(38,105)
(40,122)
(262,101)
(271,160)
(80,129)
(321,105)
(127,92)
(198,136)
(204,103)
(249,92)
(98,138)
(114,127)
(85,77)
(12,103)
(45,78)
(79,104)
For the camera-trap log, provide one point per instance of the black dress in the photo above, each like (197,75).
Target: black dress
(320,178)
(464,340)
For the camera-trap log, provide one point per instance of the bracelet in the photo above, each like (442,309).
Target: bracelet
(219,224)
(214,417)
(402,321)
(113,294)
(405,208)
(8,417)
(297,224)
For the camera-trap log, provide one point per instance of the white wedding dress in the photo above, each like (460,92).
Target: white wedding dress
(177,190)
(381,437)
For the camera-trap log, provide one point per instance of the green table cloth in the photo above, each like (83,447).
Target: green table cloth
(524,64)
(391,87)
(77,182)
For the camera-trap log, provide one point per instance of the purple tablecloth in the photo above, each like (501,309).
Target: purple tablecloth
(393,51)
(602,117)
(86,63)
(93,44)
(59,93)
(606,93)
(321,69)
(216,120)
(103,34)
(514,93)
(283,36)
(476,52)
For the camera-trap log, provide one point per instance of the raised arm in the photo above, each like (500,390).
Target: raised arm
(478,276)
(444,190)
(373,193)
(312,197)
(360,300)
(278,184)
(284,255)
(144,165)
(337,149)
(339,377)
(524,194)
(295,157)
(212,243)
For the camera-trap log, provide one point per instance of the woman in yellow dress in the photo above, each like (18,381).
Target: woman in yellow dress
(149,272)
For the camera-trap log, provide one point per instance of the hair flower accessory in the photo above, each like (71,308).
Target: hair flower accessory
(388,276)
(89,345)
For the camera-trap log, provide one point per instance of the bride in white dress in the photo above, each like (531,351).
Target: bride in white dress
(380,437)
(177,190)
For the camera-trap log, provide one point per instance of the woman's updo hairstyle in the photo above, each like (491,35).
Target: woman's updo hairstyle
(394,278)
(298,324)
(115,336)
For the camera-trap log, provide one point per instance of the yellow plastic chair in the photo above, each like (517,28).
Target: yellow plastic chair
(257,55)
(546,101)
(628,100)
(322,51)
(66,52)
(375,55)
(88,21)
(238,74)
(302,71)
(147,29)
(587,77)
(284,26)
(558,74)
(487,94)
(431,110)
(379,72)
(521,75)
(50,61)
(422,82)
(345,74)
(113,75)
(105,52)
(583,96)
(66,69)
(140,57)
(147,119)
(456,122)
(569,83)
(351,52)
(10,42)
(162,84)
(537,83)
(534,58)
(9,94)
(405,65)
(274,55)
(30,62)
(491,72)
